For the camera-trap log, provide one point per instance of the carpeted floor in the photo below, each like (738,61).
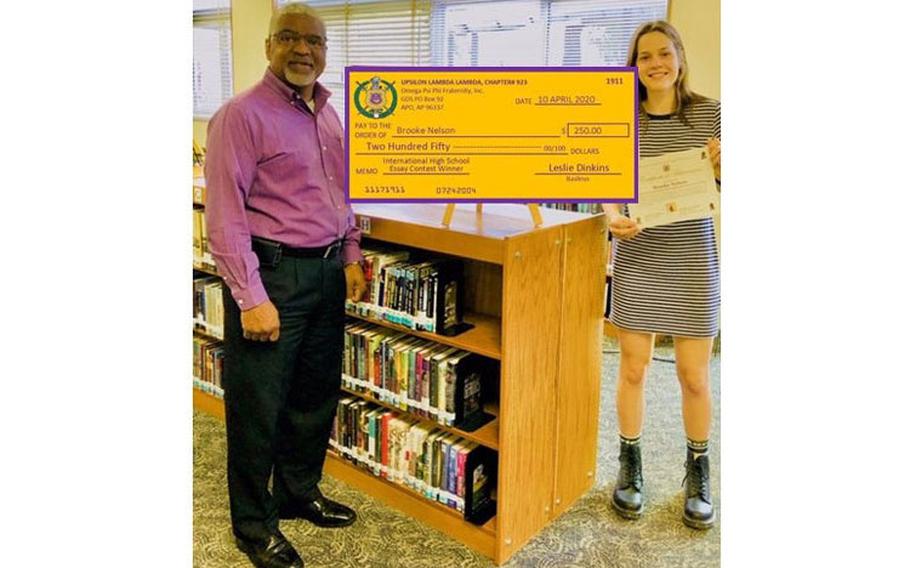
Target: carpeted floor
(588,535)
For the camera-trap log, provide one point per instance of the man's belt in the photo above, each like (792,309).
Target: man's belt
(271,252)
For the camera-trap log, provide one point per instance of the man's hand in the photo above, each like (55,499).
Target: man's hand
(357,285)
(624,228)
(714,152)
(261,323)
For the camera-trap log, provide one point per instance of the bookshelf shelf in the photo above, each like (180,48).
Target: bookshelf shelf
(481,539)
(205,263)
(487,435)
(535,296)
(203,328)
(479,237)
(484,339)
(206,269)
(489,527)
(210,404)
(203,333)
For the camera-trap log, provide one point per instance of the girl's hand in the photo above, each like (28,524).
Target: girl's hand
(624,228)
(714,152)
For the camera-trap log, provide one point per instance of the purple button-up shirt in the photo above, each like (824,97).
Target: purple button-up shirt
(274,169)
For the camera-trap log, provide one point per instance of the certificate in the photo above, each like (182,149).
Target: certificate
(481,134)
(676,187)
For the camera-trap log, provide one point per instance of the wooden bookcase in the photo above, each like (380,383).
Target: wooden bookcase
(204,265)
(535,297)
(609,329)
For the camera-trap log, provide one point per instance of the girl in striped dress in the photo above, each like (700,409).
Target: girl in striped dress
(666,278)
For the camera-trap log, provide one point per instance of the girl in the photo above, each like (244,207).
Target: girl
(665,279)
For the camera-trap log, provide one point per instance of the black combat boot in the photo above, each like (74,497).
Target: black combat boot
(627,499)
(698,512)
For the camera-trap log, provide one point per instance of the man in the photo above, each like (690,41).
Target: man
(285,241)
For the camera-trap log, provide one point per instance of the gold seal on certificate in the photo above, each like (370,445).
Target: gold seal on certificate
(675,187)
(481,134)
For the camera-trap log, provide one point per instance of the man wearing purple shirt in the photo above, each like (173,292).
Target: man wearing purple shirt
(285,241)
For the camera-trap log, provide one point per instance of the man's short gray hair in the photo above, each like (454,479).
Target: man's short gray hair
(292,8)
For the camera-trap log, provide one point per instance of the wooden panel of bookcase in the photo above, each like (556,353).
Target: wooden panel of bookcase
(479,237)
(530,327)
(211,405)
(482,539)
(421,227)
(483,339)
(483,289)
(578,390)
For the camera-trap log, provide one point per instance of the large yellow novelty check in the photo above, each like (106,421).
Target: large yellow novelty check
(491,134)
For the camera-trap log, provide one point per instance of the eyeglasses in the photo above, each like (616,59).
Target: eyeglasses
(288,38)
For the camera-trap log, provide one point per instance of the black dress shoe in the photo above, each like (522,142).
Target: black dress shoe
(321,511)
(276,552)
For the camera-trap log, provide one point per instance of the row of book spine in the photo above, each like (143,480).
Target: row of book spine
(208,305)
(199,191)
(208,365)
(202,256)
(417,294)
(592,208)
(403,450)
(420,376)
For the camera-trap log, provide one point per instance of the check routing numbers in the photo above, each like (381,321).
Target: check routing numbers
(488,134)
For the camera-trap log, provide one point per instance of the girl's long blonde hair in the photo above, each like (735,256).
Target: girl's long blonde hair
(685,97)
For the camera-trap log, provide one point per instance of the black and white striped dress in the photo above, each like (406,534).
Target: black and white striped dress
(667,279)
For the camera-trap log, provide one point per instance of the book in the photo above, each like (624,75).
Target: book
(197,235)
(452,473)
(208,365)
(429,448)
(442,459)
(208,308)
(446,298)
(465,391)
(460,476)
(442,354)
(480,483)
(373,417)
(338,433)
(386,418)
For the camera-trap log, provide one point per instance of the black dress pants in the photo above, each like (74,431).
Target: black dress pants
(280,397)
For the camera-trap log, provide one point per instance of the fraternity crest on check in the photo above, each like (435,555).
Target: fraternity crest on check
(375,98)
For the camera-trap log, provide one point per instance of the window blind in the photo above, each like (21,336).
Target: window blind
(211,6)
(477,33)
(371,33)
(213,82)
(596,32)
(537,32)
